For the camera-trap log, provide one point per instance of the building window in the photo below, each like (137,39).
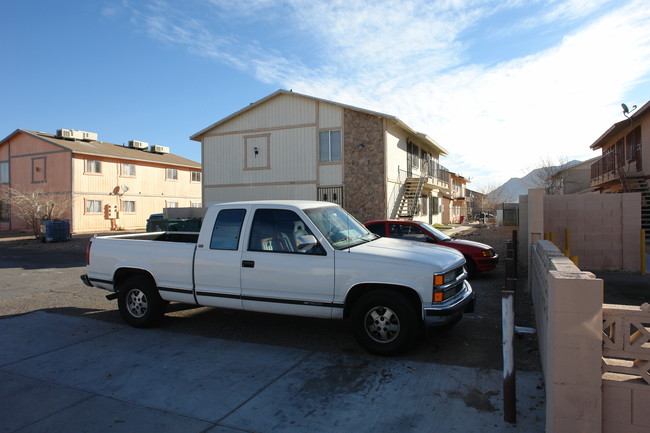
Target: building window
(38,170)
(4,172)
(413,155)
(196,176)
(329,146)
(172,204)
(4,211)
(257,152)
(93,206)
(632,141)
(93,166)
(128,206)
(128,170)
(171,174)
(195,204)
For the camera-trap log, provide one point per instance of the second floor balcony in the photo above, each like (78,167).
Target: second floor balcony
(612,166)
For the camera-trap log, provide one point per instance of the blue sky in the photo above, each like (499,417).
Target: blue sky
(501,84)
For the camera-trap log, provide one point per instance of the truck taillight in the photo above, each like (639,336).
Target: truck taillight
(90,242)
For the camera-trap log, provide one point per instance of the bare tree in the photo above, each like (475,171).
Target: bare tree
(550,174)
(482,201)
(34,205)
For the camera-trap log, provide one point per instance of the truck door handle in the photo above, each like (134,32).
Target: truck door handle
(247,264)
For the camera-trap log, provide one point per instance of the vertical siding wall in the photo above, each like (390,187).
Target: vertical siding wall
(292,124)
(604,229)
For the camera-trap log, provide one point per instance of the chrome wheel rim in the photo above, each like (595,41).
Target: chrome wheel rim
(382,324)
(136,303)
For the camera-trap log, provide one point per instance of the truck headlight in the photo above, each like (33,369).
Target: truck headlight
(442,279)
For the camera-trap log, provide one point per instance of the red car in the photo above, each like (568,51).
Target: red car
(479,257)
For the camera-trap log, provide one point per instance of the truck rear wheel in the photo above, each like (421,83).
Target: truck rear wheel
(385,322)
(140,303)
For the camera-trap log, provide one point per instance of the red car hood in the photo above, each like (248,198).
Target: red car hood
(464,245)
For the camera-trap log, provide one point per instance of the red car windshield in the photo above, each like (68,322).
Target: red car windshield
(437,233)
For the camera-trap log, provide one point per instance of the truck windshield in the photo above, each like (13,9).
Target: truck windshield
(339,228)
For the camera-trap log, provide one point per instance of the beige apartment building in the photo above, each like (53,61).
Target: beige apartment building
(107,186)
(293,146)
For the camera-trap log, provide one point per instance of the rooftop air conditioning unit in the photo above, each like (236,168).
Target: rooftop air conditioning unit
(64,133)
(159,149)
(138,144)
(88,136)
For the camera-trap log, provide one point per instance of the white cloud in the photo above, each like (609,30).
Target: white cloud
(411,59)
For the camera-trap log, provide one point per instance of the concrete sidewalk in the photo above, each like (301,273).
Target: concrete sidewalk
(76,374)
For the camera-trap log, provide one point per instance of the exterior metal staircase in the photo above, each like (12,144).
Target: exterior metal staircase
(408,205)
(638,184)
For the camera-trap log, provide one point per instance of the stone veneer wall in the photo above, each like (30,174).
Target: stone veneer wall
(364,171)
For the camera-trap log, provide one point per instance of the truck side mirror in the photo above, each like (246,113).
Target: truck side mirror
(305,242)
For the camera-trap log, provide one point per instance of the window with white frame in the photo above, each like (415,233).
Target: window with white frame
(196,176)
(171,174)
(93,206)
(329,146)
(128,206)
(128,169)
(4,172)
(195,204)
(172,204)
(93,166)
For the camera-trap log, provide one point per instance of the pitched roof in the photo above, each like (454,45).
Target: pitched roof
(619,127)
(397,121)
(109,150)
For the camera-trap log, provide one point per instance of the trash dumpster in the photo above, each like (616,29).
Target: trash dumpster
(55,230)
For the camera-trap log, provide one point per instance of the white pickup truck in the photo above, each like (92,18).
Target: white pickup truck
(303,258)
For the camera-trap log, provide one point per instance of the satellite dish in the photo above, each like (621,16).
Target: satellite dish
(627,111)
(125,188)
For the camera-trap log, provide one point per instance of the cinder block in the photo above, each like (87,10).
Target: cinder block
(609,205)
(561,425)
(582,297)
(578,403)
(593,204)
(576,366)
(592,238)
(577,202)
(641,408)
(617,403)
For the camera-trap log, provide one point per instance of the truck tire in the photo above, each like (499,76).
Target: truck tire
(385,322)
(140,303)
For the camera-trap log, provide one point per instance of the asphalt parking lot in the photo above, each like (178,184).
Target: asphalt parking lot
(68,354)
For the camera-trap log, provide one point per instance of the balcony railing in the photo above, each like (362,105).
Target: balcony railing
(603,166)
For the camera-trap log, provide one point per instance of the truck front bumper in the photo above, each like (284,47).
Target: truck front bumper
(445,312)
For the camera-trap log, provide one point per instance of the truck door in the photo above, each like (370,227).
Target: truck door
(217,266)
(277,277)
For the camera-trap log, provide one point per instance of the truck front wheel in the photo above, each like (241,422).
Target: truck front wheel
(140,303)
(385,322)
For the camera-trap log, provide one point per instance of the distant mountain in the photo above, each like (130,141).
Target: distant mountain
(511,190)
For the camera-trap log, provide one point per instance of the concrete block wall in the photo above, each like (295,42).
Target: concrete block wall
(568,311)
(604,229)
